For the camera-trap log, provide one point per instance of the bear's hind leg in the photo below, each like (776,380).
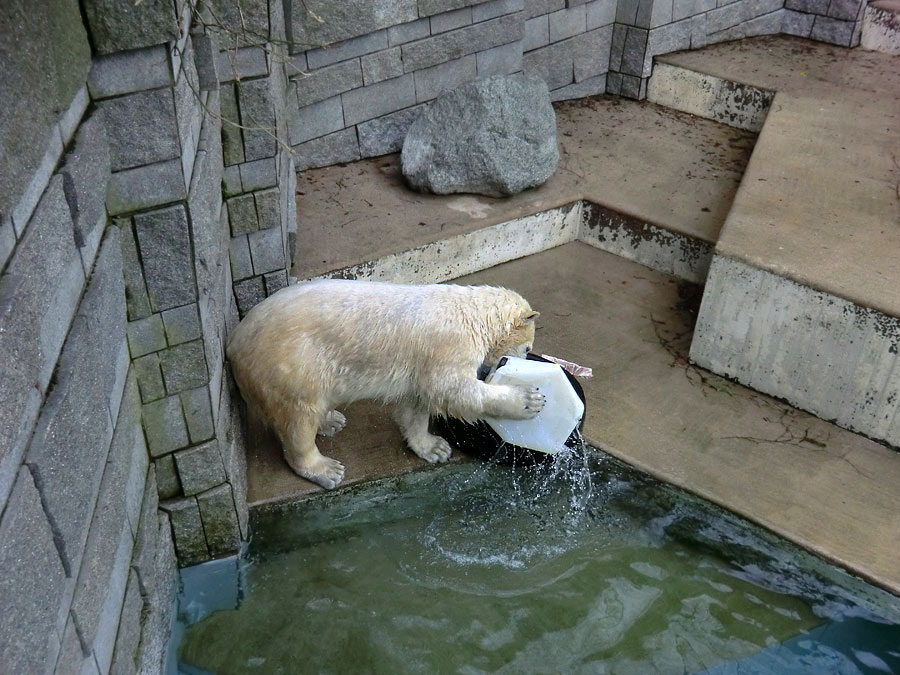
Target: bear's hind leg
(331,423)
(303,456)
(413,423)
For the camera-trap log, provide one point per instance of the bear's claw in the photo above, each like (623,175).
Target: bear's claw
(332,423)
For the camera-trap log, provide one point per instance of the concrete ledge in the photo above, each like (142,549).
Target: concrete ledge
(817,351)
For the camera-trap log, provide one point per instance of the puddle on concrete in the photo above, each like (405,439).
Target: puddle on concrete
(582,566)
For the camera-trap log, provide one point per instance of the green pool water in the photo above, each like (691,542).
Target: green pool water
(581,566)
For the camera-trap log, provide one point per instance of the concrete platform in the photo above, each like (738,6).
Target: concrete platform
(802,299)
(828,489)
(657,166)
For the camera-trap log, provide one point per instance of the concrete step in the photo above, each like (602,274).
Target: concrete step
(803,296)
(881,27)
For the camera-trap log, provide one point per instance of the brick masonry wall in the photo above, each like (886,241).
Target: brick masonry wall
(355,91)
(121,451)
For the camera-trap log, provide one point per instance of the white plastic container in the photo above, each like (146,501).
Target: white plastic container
(563,409)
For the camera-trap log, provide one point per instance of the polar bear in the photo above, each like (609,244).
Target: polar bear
(309,348)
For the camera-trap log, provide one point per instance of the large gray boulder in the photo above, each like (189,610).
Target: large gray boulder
(495,136)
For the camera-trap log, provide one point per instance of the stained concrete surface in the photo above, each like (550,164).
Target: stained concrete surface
(660,166)
(820,200)
(828,489)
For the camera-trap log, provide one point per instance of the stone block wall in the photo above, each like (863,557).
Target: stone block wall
(121,453)
(359,72)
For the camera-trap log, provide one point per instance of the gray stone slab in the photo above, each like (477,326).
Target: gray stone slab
(242,216)
(590,56)
(130,71)
(673,37)
(239,257)
(267,250)
(36,183)
(327,82)
(232,140)
(739,12)
(187,530)
(258,174)
(385,134)
(502,60)
(184,366)
(808,6)
(589,87)
(349,49)
(662,13)
(382,65)
(634,51)
(220,522)
(378,99)
(164,242)
(626,12)
(553,64)
(617,46)
(167,483)
(268,209)
(567,22)
(231,179)
(243,63)
(797,23)
(430,82)
(72,660)
(147,537)
(182,324)
(7,240)
(104,572)
(457,18)
(316,120)
(275,281)
(32,581)
(343,21)
(200,468)
(601,13)
(767,24)
(157,627)
(141,128)
(206,60)
(164,426)
(257,119)
(85,171)
(35,312)
(249,293)
(407,32)
(198,414)
(146,335)
(71,440)
(495,8)
(116,27)
(149,377)
(537,7)
(341,146)
(430,7)
(463,41)
(145,187)
(833,31)
(129,636)
(537,33)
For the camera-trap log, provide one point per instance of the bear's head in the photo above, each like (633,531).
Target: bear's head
(517,338)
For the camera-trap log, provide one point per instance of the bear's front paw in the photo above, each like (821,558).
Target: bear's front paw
(529,401)
(433,449)
(325,471)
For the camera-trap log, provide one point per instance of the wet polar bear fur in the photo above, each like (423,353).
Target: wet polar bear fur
(309,348)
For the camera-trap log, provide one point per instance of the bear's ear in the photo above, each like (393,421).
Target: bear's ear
(528,318)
